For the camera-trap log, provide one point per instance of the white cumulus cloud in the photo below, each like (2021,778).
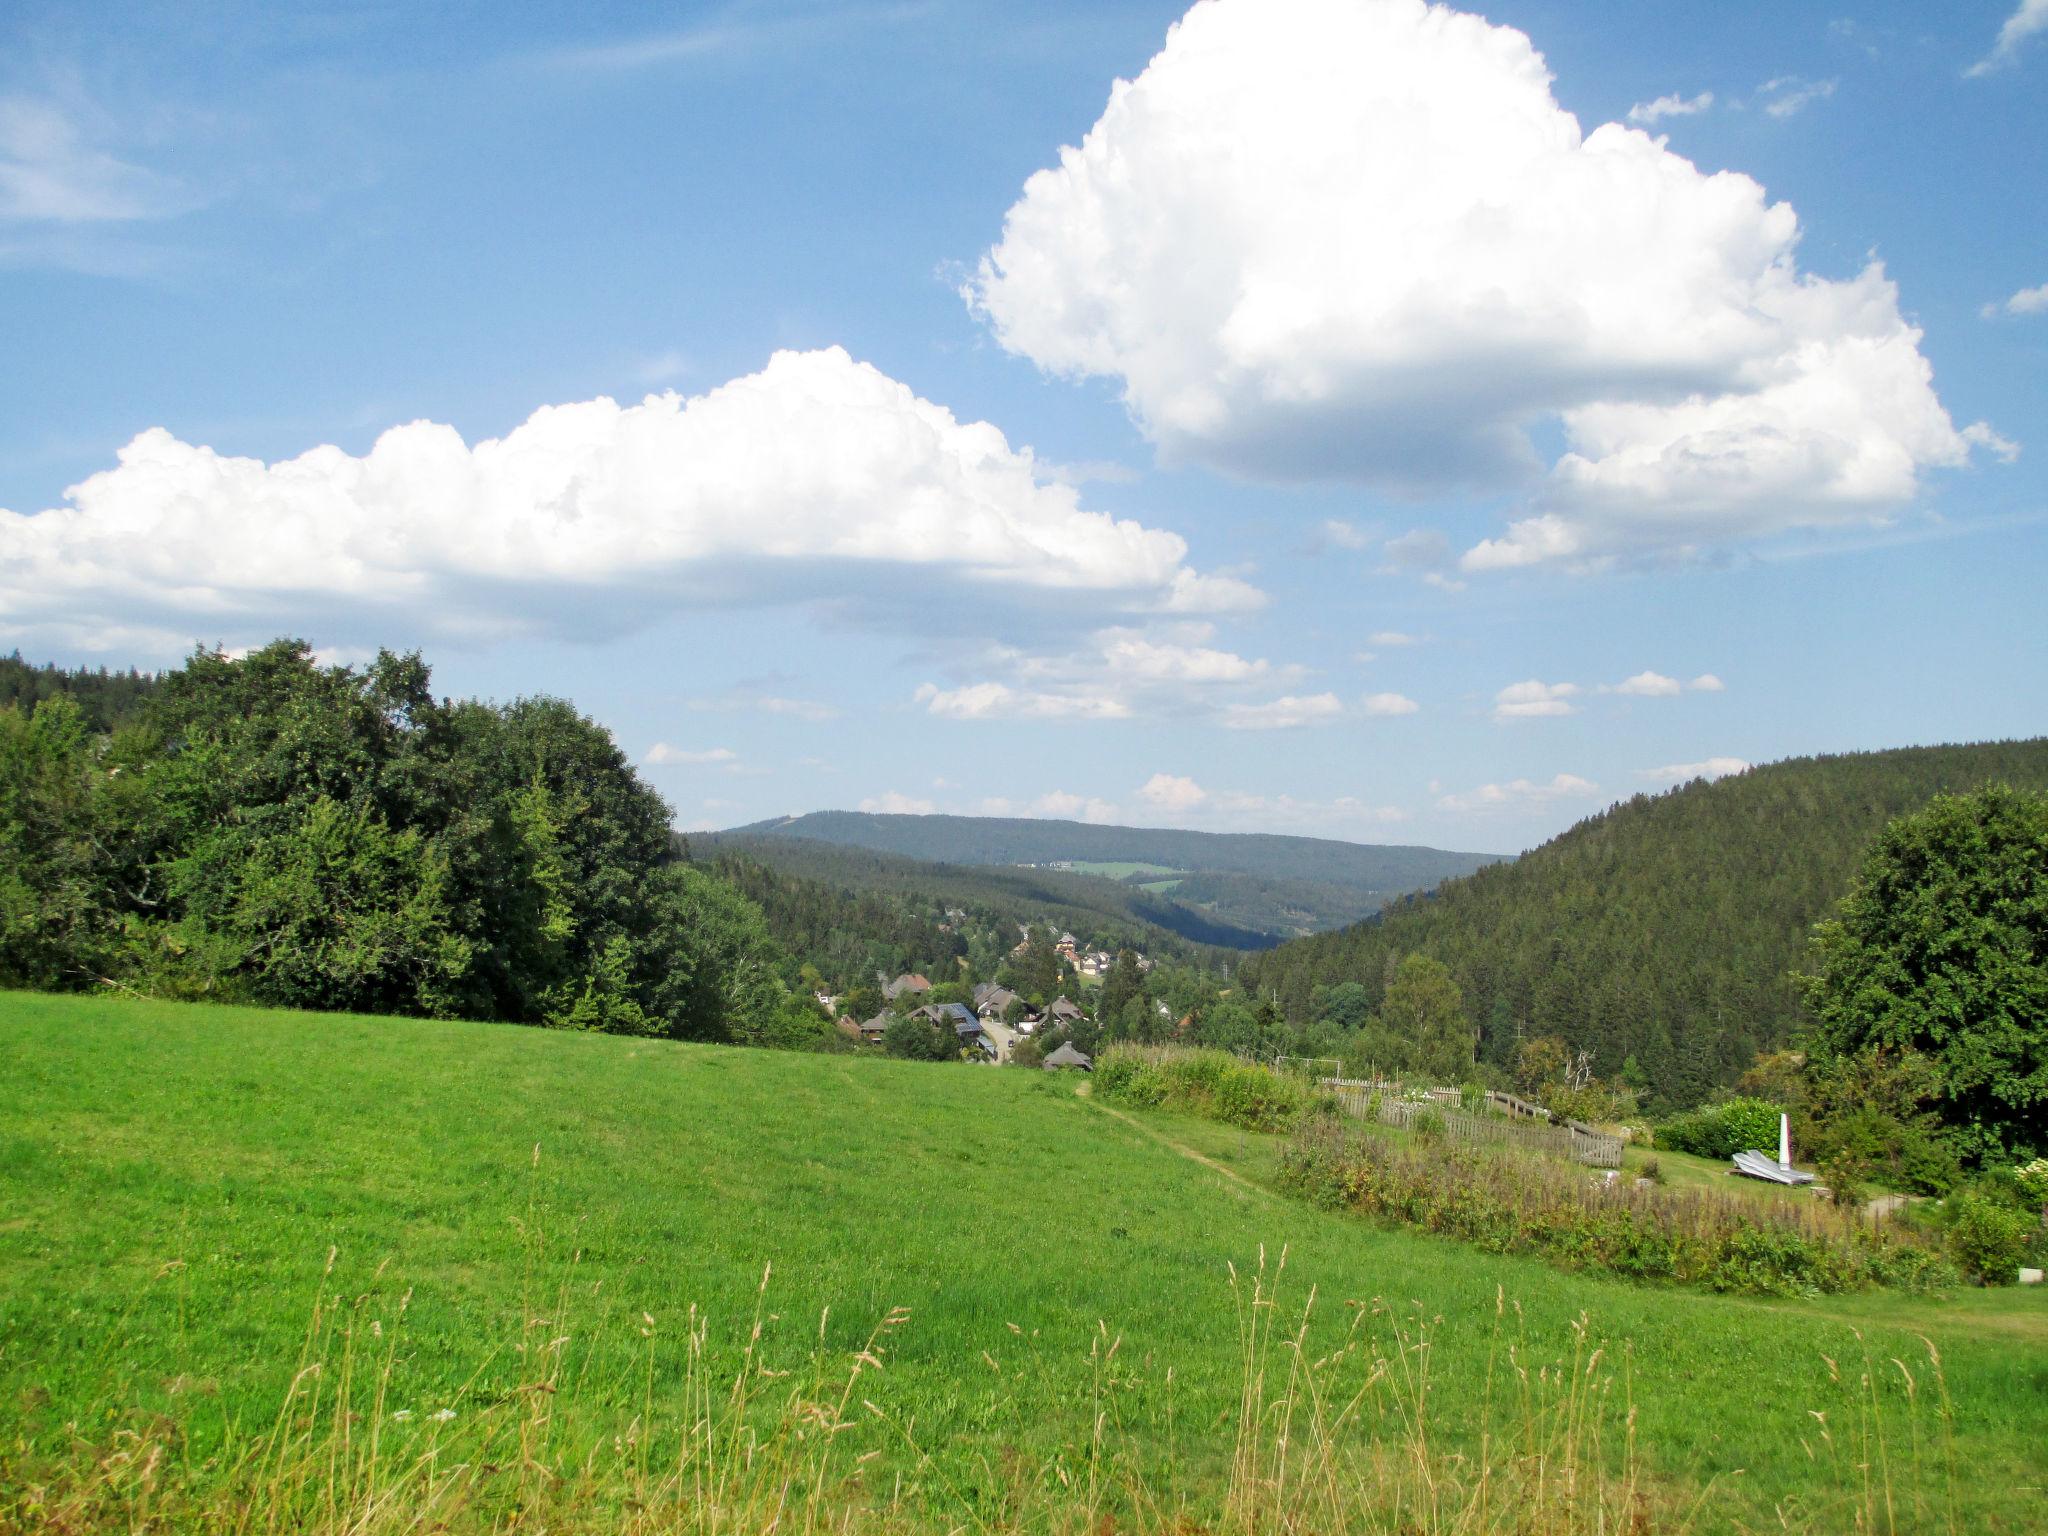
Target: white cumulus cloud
(813,478)
(896,803)
(1706,682)
(1171,792)
(1359,239)
(1534,700)
(1392,639)
(1517,793)
(1060,805)
(1711,768)
(1650,685)
(1673,105)
(1388,704)
(2028,301)
(2023,23)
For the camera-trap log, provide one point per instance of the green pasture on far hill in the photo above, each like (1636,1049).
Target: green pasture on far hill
(173,1178)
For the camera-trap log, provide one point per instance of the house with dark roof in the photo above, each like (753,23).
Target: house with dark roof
(955,1016)
(996,1002)
(1060,1011)
(1067,1056)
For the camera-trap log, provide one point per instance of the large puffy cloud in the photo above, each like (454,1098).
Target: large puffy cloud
(1360,239)
(811,478)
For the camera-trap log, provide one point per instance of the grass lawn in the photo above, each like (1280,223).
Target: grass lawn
(1117,869)
(173,1177)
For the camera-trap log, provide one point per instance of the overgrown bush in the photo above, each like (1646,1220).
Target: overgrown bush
(1213,1084)
(1507,1203)
(1988,1237)
(1722,1130)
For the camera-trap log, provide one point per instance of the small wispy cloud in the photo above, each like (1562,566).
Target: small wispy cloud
(2030,18)
(2028,301)
(730,35)
(1519,793)
(1388,704)
(1283,714)
(1790,94)
(1685,773)
(1674,105)
(52,171)
(662,754)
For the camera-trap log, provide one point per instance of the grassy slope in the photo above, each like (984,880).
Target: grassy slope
(235,1146)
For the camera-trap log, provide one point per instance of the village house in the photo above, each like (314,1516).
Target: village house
(910,982)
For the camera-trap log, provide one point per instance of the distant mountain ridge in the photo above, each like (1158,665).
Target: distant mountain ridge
(1380,869)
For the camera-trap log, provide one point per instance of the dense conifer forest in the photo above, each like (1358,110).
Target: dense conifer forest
(1661,934)
(105,699)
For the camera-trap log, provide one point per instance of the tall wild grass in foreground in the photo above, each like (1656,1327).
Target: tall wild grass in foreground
(1345,1440)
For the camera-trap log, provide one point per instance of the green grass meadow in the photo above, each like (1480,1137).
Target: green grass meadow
(174,1178)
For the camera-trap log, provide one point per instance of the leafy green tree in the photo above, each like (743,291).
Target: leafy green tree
(1424,1007)
(1941,948)
(1124,983)
(916,1039)
(332,837)
(1038,968)
(1345,1006)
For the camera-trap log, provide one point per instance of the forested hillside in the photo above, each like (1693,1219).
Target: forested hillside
(1658,935)
(1023,840)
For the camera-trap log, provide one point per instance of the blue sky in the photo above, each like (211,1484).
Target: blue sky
(1380,455)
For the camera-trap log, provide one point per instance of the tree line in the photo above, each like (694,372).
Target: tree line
(269,830)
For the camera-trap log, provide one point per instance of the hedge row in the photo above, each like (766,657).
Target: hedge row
(1213,1084)
(1506,1203)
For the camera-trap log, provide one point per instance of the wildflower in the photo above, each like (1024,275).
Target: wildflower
(402,1414)
(442,1415)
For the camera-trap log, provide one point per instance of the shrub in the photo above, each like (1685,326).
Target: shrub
(2032,1179)
(1722,1130)
(1987,1237)
(1507,1203)
(1210,1083)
